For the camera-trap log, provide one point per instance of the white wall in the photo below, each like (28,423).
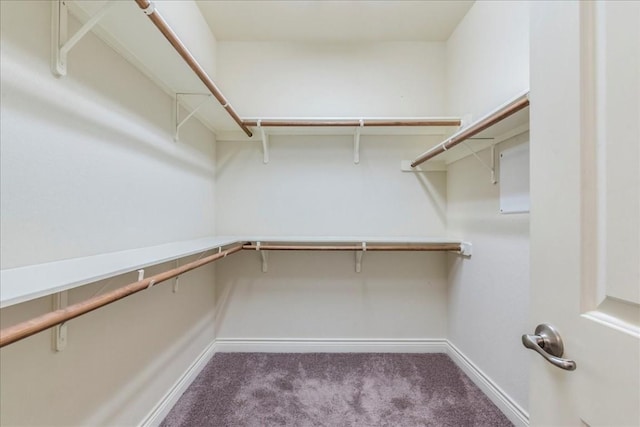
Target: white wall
(488,58)
(88,161)
(316,79)
(307,295)
(89,166)
(311,187)
(489,292)
(487,64)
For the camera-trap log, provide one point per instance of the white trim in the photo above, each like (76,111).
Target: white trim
(613,322)
(514,412)
(306,345)
(162,408)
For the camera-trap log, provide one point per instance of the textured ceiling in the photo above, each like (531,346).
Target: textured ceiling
(333,20)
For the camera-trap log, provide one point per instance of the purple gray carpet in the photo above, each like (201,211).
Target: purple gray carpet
(340,389)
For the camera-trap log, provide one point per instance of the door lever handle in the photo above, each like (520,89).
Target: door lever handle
(548,344)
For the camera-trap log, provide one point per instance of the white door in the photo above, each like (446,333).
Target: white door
(585,210)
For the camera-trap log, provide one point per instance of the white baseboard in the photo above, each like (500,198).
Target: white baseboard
(508,406)
(160,411)
(514,412)
(275,345)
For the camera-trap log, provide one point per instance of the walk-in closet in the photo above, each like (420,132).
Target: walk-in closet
(319,213)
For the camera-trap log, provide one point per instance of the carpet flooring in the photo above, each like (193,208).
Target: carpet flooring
(340,389)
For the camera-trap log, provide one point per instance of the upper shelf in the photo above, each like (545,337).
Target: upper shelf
(129,32)
(160,51)
(184,73)
(440,126)
(506,121)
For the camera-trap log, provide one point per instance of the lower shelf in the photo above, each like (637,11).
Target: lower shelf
(35,281)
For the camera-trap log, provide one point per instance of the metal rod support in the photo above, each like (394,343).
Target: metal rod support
(180,123)
(356,145)
(71,42)
(182,50)
(492,168)
(265,144)
(474,129)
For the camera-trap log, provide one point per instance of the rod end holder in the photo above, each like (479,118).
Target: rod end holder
(466,249)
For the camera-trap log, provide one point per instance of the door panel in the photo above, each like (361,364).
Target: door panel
(613,46)
(585,214)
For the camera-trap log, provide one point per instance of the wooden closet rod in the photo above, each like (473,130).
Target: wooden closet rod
(482,124)
(352,122)
(38,324)
(352,247)
(165,29)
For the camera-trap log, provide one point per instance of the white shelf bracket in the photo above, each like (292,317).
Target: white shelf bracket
(176,283)
(265,143)
(179,123)
(359,255)
(356,143)
(466,249)
(494,180)
(61,43)
(265,261)
(59,332)
(491,168)
(265,258)
(141,278)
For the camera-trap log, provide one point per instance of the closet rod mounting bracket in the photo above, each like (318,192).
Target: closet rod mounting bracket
(466,249)
(265,142)
(359,255)
(356,143)
(59,332)
(492,167)
(61,43)
(179,123)
(176,283)
(265,258)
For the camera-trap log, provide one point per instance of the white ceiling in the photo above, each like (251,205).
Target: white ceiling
(333,20)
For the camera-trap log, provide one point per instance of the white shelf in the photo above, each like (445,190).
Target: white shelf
(437,131)
(510,127)
(34,281)
(505,122)
(129,32)
(26,283)
(264,244)
(344,239)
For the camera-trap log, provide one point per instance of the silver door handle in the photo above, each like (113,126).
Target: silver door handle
(548,344)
